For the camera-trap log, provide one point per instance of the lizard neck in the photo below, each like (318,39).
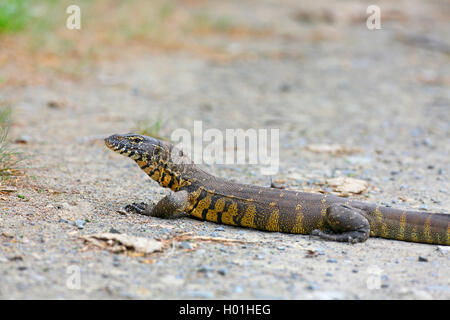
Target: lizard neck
(173,172)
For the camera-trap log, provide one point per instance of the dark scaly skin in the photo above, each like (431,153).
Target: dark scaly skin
(214,199)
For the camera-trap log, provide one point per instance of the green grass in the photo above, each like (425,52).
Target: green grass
(204,21)
(14,15)
(5,116)
(9,158)
(150,128)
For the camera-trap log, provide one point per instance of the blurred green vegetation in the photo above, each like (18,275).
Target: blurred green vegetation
(14,15)
(9,158)
(151,128)
(42,43)
(203,21)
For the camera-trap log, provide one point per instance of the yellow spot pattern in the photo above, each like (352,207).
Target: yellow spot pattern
(155,175)
(427,230)
(141,163)
(384,230)
(148,170)
(248,220)
(379,219)
(202,205)
(298,225)
(402,226)
(212,214)
(227,216)
(414,236)
(193,199)
(272,224)
(166,181)
(323,212)
(448,234)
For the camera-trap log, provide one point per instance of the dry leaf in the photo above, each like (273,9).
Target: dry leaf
(147,261)
(122,242)
(139,246)
(7,189)
(56,104)
(310,253)
(185,237)
(345,185)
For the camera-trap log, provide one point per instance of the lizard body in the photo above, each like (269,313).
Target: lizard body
(210,198)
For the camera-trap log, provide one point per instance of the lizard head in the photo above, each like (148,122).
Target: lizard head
(135,146)
(154,156)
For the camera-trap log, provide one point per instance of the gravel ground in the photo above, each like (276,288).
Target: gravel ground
(385,92)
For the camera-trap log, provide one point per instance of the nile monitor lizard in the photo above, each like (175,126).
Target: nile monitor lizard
(214,199)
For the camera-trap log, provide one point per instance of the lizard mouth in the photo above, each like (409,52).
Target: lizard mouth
(113,142)
(128,144)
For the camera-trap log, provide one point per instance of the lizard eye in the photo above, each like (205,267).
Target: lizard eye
(136,139)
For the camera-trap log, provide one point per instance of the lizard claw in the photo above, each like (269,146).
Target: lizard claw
(317,232)
(136,207)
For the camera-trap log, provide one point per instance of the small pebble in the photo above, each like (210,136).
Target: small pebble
(319,251)
(238,289)
(65,221)
(222,271)
(23,139)
(285,87)
(427,142)
(205,269)
(186,245)
(79,223)
(332,260)
(436,201)
(313,285)
(422,259)
(163,231)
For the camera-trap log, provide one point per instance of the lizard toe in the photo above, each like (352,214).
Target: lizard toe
(135,208)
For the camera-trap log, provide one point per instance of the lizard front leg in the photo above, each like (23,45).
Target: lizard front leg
(348,224)
(175,202)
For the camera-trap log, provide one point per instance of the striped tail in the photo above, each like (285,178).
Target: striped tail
(414,226)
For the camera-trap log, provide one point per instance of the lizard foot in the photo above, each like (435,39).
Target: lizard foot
(140,208)
(350,237)
(347,224)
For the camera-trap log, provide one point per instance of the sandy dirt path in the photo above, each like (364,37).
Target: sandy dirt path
(385,92)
